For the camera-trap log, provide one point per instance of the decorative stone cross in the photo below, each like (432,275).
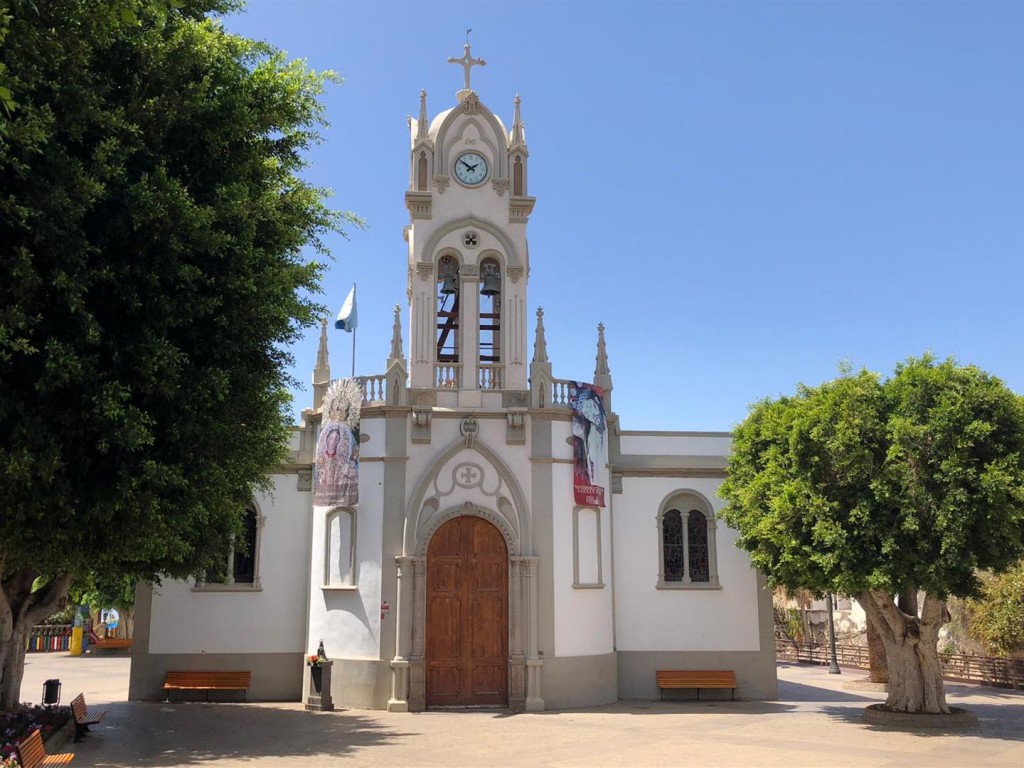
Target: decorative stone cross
(468,475)
(467,61)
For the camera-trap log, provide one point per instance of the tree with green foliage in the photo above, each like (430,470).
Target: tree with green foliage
(158,255)
(997,615)
(893,491)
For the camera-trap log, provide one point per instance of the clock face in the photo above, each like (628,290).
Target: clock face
(470,168)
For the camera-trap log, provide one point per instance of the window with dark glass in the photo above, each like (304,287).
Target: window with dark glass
(244,565)
(672,542)
(697,546)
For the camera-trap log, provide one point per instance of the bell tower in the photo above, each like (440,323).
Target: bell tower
(469,266)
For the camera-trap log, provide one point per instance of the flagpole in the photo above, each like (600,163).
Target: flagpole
(354,334)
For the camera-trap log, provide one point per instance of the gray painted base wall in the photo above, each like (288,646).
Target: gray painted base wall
(579,681)
(755,672)
(358,683)
(275,676)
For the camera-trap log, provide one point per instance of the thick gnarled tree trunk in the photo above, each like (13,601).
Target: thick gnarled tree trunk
(877,663)
(915,675)
(20,610)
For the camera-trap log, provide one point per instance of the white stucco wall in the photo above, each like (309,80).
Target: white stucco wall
(509,478)
(347,619)
(675,444)
(583,617)
(270,620)
(651,619)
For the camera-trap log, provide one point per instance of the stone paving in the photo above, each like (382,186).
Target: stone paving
(814,722)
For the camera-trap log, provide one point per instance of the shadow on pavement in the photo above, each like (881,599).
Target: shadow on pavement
(137,734)
(790,691)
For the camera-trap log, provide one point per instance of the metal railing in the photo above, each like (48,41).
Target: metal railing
(990,670)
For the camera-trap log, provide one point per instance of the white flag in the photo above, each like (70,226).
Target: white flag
(347,318)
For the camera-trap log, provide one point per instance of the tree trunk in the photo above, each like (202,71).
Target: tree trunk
(876,654)
(915,676)
(12,669)
(21,608)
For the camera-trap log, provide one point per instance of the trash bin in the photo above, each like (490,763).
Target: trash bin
(51,692)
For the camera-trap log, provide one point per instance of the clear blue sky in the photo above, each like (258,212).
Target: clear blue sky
(745,193)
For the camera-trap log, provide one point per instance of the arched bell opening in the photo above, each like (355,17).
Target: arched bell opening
(447,315)
(490,324)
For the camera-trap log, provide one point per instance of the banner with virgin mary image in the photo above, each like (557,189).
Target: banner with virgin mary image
(336,477)
(589,443)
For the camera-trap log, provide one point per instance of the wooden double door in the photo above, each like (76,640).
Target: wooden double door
(467,615)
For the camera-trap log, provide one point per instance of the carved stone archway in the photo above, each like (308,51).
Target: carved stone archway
(408,684)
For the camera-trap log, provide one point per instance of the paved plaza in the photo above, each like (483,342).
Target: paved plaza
(815,722)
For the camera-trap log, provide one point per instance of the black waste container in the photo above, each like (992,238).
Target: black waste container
(51,692)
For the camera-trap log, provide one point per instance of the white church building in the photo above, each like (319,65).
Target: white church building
(468,572)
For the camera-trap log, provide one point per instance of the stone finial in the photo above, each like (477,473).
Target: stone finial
(602,356)
(322,370)
(518,129)
(602,374)
(322,358)
(397,355)
(540,345)
(422,127)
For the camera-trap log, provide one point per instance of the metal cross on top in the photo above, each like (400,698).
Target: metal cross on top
(467,61)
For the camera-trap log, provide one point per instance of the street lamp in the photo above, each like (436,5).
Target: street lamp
(834,666)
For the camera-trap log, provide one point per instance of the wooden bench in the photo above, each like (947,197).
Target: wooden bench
(206,680)
(112,643)
(697,678)
(83,717)
(32,753)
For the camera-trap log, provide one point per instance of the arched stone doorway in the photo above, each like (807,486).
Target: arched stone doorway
(466,655)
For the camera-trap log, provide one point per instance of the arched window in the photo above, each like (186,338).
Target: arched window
(243,566)
(517,177)
(686,532)
(490,324)
(698,558)
(340,554)
(241,571)
(672,545)
(448,288)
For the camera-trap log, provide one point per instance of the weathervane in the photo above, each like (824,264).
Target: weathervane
(467,61)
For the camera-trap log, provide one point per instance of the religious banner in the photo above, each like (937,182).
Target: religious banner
(589,447)
(336,479)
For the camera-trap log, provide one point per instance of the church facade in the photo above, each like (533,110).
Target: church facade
(471,565)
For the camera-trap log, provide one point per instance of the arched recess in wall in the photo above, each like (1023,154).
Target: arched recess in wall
(340,548)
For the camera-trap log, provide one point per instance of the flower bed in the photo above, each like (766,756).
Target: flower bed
(17,723)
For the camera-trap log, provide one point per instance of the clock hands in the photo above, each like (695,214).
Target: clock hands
(470,167)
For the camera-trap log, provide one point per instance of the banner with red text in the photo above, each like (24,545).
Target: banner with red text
(589,443)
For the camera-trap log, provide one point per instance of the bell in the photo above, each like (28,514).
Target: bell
(448,285)
(492,286)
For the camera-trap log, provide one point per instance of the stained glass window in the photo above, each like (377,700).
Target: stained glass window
(697,535)
(672,541)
